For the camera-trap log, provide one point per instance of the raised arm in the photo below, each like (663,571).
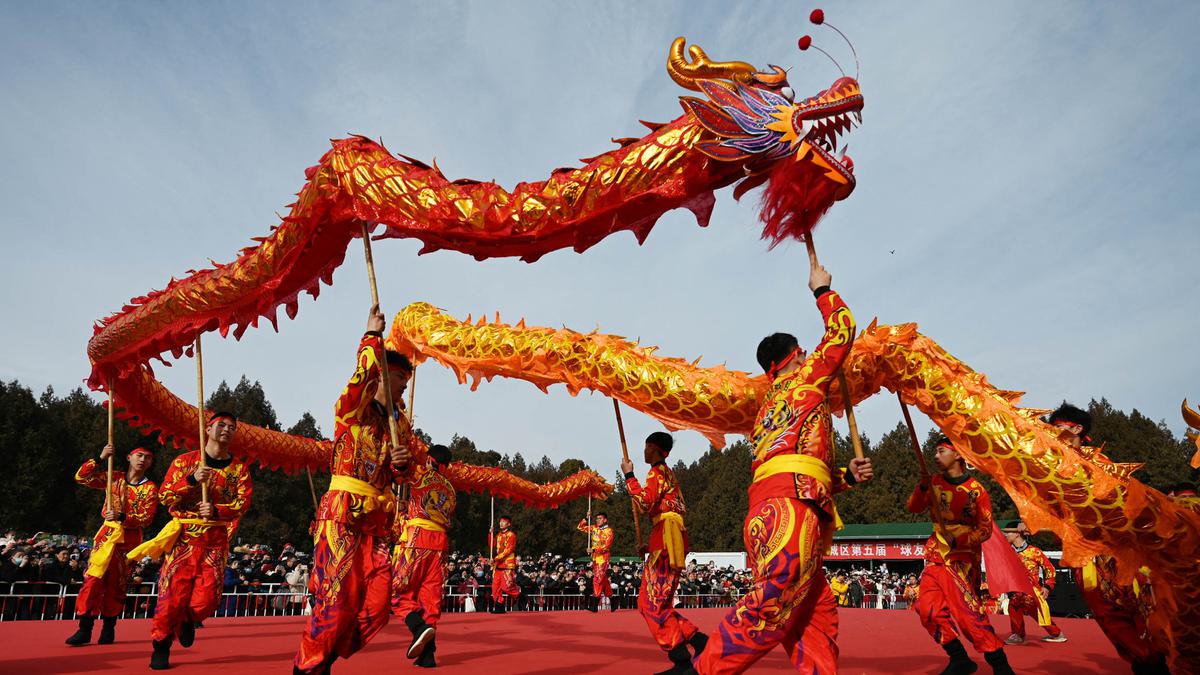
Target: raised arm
(176,486)
(646,497)
(243,488)
(918,501)
(839,329)
(982,530)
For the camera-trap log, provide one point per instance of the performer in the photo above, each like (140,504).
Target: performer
(1185,494)
(601,537)
(504,566)
(1041,578)
(196,541)
(1119,608)
(791,519)
(351,575)
(419,558)
(662,500)
(130,507)
(949,591)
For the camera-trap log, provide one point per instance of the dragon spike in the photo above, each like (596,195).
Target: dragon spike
(1190,415)
(700,67)
(818,18)
(806,41)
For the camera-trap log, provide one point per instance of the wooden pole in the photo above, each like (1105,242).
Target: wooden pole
(912,435)
(854,439)
(383,367)
(108,489)
(312,490)
(588,533)
(200,415)
(637,525)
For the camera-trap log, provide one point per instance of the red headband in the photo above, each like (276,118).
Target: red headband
(213,417)
(144,451)
(776,367)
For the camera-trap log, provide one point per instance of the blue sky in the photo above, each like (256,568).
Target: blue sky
(1034,169)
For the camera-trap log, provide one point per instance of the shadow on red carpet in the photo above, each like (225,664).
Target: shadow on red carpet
(557,643)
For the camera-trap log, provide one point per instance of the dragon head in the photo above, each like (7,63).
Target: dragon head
(1192,418)
(753,117)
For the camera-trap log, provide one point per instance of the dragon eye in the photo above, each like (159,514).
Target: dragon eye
(787,93)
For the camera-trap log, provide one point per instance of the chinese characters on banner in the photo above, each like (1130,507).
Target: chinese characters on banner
(876,550)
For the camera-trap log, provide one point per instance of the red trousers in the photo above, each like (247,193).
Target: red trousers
(948,597)
(351,588)
(190,581)
(417,577)
(105,596)
(1123,623)
(790,603)
(601,586)
(504,583)
(656,602)
(1020,605)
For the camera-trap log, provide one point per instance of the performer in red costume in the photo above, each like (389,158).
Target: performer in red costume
(662,500)
(130,508)
(1041,577)
(1117,607)
(949,593)
(351,575)
(196,541)
(601,537)
(791,519)
(419,558)
(504,567)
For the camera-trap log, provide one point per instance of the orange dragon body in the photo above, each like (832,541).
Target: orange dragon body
(1093,504)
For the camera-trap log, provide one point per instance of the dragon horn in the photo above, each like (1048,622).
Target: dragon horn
(1190,416)
(685,72)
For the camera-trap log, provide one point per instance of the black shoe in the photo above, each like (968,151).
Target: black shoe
(612,604)
(960,663)
(498,608)
(108,631)
(681,660)
(161,658)
(698,641)
(422,633)
(427,660)
(187,634)
(999,662)
(84,634)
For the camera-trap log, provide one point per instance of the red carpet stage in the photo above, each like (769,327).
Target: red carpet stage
(872,641)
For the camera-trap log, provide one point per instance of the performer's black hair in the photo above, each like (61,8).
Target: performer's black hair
(218,414)
(1069,413)
(440,454)
(662,440)
(397,360)
(601,513)
(775,348)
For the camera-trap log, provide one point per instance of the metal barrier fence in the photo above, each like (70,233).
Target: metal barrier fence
(26,601)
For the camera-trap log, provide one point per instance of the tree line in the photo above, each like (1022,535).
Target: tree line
(44,439)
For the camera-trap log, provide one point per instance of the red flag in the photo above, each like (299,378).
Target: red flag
(1005,572)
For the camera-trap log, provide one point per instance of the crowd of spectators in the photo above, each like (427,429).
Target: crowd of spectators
(859,587)
(261,579)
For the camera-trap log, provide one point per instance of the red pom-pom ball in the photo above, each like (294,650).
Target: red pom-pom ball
(817,16)
(804,43)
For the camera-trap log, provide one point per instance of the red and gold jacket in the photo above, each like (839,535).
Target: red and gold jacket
(662,500)
(505,557)
(360,488)
(1041,570)
(962,518)
(137,503)
(794,419)
(229,490)
(431,503)
(602,540)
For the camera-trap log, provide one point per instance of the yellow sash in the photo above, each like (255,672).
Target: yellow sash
(1043,610)
(375,498)
(805,466)
(98,562)
(672,535)
(165,541)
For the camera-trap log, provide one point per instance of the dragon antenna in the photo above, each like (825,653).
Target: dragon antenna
(818,18)
(806,41)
